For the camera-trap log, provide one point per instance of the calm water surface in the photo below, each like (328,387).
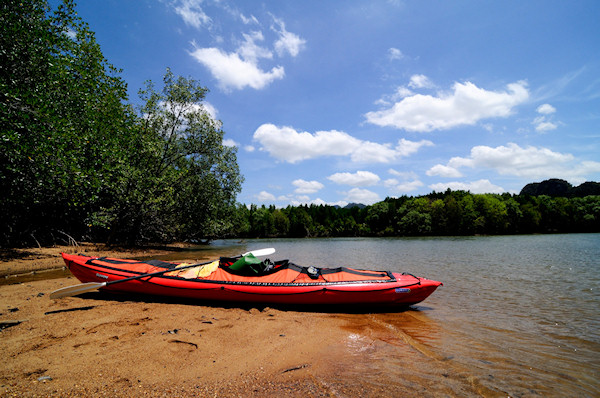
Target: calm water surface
(517,315)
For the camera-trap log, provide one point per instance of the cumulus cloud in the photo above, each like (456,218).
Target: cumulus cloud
(480,186)
(287,144)
(230,142)
(529,162)
(358,195)
(545,109)
(465,104)
(402,186)
(542,125)
(241,68)
(237,70)
(420,81)
(307,187)
(407,181)
(265,196)
(545,122)
(210,109)
(443,171)
(358,179)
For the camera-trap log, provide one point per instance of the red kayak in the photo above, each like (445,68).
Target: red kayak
(230,279)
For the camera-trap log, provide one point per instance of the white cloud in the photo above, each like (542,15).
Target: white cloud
(544,123)
(530,162)
(358,179)
(230,142)
(249,148)
(307,187)
(403,174)
(406,147)
(234,72)
(394,53)
(240,68)
(248,20)
(358,195)
(286,144)
(401,92)
(288,42)
(210,109)
(409,181)
(191,13)
(443,171)
(545,109)
(265,196)
(420,81)
(402,186)
(480,186)
(466,104)
(250,51)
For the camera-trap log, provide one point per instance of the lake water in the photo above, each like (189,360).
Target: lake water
(517,315)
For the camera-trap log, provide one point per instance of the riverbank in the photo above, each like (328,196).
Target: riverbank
(102,344)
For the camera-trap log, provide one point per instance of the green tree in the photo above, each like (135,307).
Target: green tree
(378,217)
(183,181)
(439,220)
(492,213)
(281,223)
(63,123)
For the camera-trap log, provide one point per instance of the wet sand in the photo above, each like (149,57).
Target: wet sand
(102,344)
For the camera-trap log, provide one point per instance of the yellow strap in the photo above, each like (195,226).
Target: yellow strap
(200,271)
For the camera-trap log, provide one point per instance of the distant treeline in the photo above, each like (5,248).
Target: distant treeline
(447,213)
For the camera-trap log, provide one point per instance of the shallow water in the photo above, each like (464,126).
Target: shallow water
(517,315)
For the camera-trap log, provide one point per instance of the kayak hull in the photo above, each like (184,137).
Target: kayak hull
(394,290)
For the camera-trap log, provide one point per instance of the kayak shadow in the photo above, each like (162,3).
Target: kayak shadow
(329,308)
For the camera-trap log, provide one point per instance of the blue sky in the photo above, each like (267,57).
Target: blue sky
(332,102)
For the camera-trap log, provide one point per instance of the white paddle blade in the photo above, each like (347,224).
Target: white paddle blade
(77,289)
(261,252)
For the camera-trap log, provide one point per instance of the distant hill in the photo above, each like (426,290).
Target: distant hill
(352,205)
(557,187)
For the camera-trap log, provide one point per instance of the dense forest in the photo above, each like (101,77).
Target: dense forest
(447,213)
(79,162)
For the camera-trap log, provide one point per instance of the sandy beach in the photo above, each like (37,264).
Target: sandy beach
(101,344)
